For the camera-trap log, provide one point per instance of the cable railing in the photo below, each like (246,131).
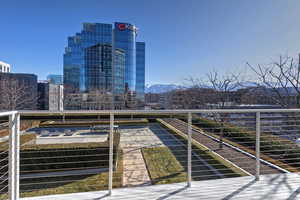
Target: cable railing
(9,156)
(81,151)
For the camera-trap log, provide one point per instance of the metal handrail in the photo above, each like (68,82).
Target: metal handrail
(14,153)
(181,111)
(15,126)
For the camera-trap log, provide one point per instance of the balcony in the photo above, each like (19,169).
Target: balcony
(165,154)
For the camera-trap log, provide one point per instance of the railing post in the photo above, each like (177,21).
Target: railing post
(14,157)
(189,149)
(257,146)
(111,151)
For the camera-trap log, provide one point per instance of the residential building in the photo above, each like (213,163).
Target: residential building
(55,79)
(18,91)
(4,67)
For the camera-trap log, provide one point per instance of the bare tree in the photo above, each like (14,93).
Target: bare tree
(224,87)
(281,80)
(17,95)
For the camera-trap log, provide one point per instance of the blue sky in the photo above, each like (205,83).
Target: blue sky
(184,37)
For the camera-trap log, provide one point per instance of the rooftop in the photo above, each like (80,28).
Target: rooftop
(166,154)
(270,187)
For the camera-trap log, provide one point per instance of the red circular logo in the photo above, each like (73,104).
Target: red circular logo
(122,27)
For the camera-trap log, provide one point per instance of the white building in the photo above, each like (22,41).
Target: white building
(56,97)
(4,67)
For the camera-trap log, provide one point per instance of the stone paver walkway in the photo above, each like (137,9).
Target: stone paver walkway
(132,141)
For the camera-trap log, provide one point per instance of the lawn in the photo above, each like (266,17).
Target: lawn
(218,162)
(163,166)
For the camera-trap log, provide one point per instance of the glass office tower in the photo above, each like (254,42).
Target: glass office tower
(100,57)
(140,71)
(75,71)
(125,38)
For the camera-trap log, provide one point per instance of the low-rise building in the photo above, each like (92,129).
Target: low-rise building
(4,67)
(50,96)
(55,79)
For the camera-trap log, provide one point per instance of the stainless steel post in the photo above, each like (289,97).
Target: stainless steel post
(189,149)
(111,151)
(14,159)
(257,146)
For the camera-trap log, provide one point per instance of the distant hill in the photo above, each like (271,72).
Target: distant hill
(161,88)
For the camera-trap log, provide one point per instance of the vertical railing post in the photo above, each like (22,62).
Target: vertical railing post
(257,145)
(14,157)
(189,149)
(111,151)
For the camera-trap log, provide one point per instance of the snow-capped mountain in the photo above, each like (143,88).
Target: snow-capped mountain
(161,88)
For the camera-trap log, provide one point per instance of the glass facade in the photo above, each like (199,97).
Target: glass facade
(75,78)
(140,70)
(98,70)
(119,72)
(91,54)
(125,38)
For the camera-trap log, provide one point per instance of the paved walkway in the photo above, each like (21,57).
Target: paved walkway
(270,187)
(132,141)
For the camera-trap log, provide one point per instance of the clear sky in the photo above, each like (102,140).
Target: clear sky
(183,37)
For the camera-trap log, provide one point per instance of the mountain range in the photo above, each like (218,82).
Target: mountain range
(161,88)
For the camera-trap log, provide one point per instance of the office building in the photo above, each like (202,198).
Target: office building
(50,96)
(104,58)
(18,91)
(43,95)
(55,79)
(4,67)
(99,73)
(75,69)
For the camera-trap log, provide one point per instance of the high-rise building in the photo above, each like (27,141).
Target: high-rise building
(75,69)
(4,67)
(99,72)
(140,71)
(125,38)
(104,58)
(55,79)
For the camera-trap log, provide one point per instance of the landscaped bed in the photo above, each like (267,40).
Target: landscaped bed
(78,184)
(25,124)
(62,158)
